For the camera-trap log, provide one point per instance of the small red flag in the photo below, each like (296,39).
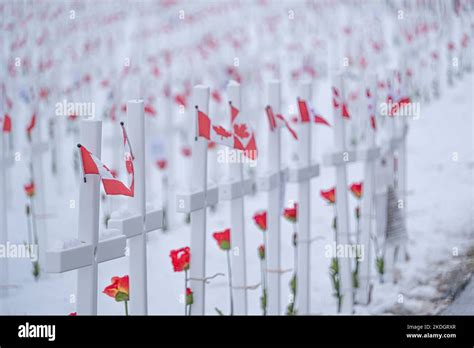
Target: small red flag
(7,124)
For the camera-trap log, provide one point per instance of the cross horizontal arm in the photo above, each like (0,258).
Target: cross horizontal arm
(235,189)
(189,202)
(338,158)
(133,226)
(368,154)
(59,261)
(271,181)
(304,173)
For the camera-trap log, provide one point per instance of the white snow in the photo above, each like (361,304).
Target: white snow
(439,213)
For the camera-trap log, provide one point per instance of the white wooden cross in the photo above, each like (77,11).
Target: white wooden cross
(397,178)
(6,161)
(91,251)
(140,222)
(402,147)
(195,203)
(339,159)
(303,174)
(368,155)
(37,148)
(235,190)
(272,183)
(114,142)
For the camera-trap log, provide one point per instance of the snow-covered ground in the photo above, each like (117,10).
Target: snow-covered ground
(439,224)
(440,210)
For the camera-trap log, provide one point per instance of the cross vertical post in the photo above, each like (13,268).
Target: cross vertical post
(274,206)
(37,148)
(89,201)
(3,210)
(304,209)
(137,244)
(367,207)
(402,152)
(198,217)
(341,200)
(237,235)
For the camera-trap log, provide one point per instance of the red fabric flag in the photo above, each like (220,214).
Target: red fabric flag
(303,110)
(31,125)
(7,124)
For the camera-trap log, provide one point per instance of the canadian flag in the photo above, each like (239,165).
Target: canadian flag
(244,137)
(336,101)
(400,103)
(371,107)
(7,124)
(240,138)
(276,121)
(112,186)
(31,125)
(306,112)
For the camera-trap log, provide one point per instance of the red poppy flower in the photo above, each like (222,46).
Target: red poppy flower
(329,195)
(161,164)
(291,214)
(73,314)
(43,93)
(261,220)
(180,259)
(189,296)
(104,83)
(223,239)
(356,189)
(155,71)
(261,252)
(119,289)
(186,151)
(87,78)
(30,189)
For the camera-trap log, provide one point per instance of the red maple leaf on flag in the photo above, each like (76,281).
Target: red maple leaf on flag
(241,130)
(221,131)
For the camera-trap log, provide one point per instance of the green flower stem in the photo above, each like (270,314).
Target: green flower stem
(230,283)
(264,287)
(28,221)
(263,266)
(126,307)
(185,289)
(265,260)
(358,226)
